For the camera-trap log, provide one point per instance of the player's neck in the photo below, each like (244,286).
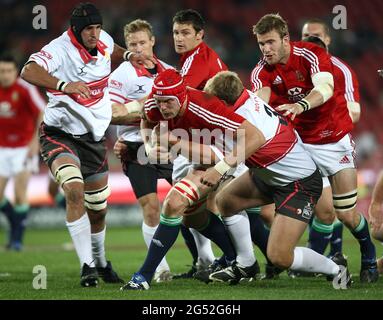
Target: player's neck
(286,56)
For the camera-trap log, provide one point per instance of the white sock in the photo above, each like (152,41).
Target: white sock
(205,252)
(79,230)
(98,248)
(148,233)
(239,229)
(306,259)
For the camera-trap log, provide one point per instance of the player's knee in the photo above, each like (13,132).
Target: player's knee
(151,211)
(74,194)
(97,217)
(174,204)
(96,200)
(280,258)
(325,217)
(224,204)
(67,174)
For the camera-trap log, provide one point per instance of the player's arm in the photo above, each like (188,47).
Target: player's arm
(249,140)
(137,59)
(35,74)
(323,90)
(264,93)
(354,110)
(125,114)
(374,211)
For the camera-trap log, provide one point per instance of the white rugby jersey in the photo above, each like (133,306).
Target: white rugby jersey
(66,59)
(282,159)
(128,83)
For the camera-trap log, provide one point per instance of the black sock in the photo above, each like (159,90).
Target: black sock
(319,235)
(215,231)
(190,243)
(163,239)
(19,220)
(259,232)
(336,238)
(367,248)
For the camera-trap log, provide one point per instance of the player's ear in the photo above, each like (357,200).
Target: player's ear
(200,34)
(286,39)
(153,40)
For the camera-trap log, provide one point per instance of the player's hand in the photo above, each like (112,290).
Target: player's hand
(119,148)
(138,59)
(211,177)
(78,87)
(375,216)
(159,154)
(290,109)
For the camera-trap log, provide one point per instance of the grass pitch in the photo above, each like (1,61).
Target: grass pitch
(126,249)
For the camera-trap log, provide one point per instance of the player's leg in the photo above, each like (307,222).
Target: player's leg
(294,206)
(61,156)
(322,223)
(344,185)
(165,236)
(21,208)
(6,207)
(96,193)
(239,194)
(143,179)
(55,193)
(195,242)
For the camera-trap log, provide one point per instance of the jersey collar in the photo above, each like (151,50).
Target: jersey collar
(143,72)
(84,54)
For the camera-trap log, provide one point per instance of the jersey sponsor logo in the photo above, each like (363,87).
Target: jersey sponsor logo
(6,110)
(277,80)
(116,84)
(344,160)
(140,90)
(295,94)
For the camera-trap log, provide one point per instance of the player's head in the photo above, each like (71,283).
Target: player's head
(188,30)
(273,38)
(169,91)
(226,85)
(317,28)
(8,70)
(86,22)
(139,37)
(315,40)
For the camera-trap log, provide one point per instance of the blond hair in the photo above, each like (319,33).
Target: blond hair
(138,25)
(225,85)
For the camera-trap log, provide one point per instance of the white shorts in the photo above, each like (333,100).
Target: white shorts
(12,161)
(332,157)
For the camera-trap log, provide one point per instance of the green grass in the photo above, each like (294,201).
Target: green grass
(126,249)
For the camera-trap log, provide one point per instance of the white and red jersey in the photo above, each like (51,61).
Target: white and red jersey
(199,65)
(128,83)
(291,82)
(20,106)
(66,59)
(281,160)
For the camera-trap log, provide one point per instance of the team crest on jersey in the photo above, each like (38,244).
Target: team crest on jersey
(6,110)
(15,96)
(299,76)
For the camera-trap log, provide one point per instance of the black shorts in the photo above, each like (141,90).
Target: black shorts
(143,178)
(91,154)
(297,199)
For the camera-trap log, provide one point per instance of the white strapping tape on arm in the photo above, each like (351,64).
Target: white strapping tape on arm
(324,84)
(133,107)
